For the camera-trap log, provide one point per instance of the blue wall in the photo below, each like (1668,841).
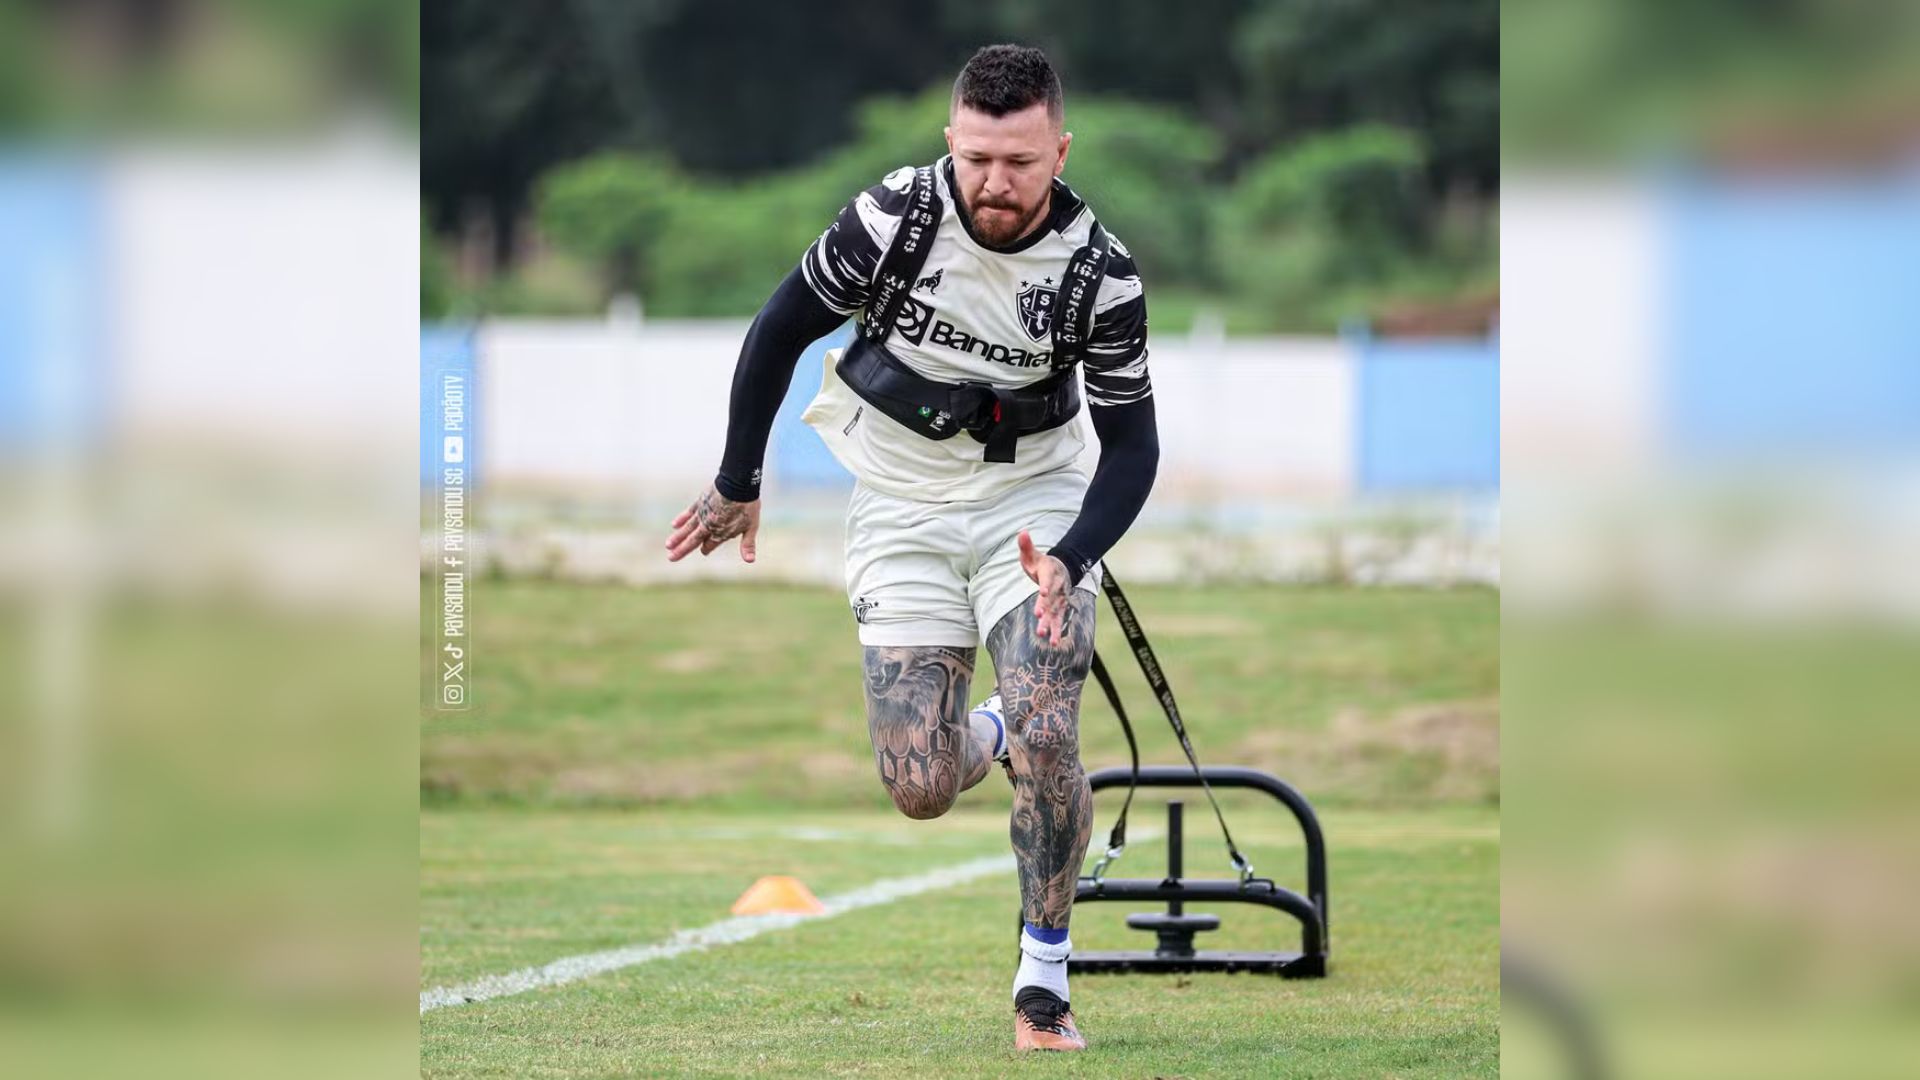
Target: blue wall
(53,303)
(1428,415)
(795,454)
(1793,321)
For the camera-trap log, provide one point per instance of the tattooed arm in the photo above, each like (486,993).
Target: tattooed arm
(792,319)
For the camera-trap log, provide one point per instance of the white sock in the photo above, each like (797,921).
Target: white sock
(1042,965)
(988,731)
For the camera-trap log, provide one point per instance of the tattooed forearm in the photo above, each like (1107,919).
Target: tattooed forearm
(1040,686)
(917,715)
(721,517)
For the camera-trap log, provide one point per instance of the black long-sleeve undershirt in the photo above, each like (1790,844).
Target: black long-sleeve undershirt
(1129,459)
(792,319)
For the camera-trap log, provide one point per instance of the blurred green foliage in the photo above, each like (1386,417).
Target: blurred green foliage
(227,68)
(715,248)
(1592,82)
(437,288)
(1145,169)
(1305,236)
(1314,223)
(692,161)
(613,207)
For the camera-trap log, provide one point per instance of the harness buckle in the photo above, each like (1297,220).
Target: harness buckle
(975,407)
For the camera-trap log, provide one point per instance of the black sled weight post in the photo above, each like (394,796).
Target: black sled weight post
(1174,929)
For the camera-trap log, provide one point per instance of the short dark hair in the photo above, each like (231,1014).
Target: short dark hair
(1002,79)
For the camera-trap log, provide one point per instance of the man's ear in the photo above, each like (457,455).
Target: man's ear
(949,131)
(1066,143)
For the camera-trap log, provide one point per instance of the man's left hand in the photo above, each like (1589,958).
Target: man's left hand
(1051,575)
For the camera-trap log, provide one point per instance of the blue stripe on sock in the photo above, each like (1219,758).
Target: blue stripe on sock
(1047,934)
(999,731)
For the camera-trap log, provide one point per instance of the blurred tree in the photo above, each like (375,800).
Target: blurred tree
(757,85)
(716,141)
(1141,49)
(374,44)
(760,85)
(729,244)
(436,279)
(1260,72)
(1328,221)
(1144,170)
(611,208)
(1431,66)
(508,91)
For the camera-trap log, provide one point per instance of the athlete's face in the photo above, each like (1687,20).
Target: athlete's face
(1004,166)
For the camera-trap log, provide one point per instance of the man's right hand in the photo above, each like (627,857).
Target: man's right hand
(712,520)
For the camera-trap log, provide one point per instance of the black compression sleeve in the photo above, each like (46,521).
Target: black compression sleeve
(1129,457)
(792,319)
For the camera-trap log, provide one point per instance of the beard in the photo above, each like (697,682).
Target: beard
(1001,223)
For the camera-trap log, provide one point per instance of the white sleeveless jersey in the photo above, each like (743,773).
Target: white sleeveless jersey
(974,314)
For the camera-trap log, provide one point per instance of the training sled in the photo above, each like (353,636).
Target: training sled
(1175,929)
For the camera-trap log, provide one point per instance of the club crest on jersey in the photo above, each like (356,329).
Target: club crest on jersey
(1036,309)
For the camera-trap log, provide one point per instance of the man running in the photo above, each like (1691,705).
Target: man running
(978,283)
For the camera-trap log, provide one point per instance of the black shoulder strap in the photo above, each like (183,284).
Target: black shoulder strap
(900,267)
(1073,306)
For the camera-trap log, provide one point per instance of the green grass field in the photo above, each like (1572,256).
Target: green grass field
(637,758)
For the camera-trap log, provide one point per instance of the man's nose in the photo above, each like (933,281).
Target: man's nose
(999,180)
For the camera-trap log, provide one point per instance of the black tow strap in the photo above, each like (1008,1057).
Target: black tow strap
(1157,681)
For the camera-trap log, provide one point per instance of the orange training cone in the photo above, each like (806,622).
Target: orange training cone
(777,893)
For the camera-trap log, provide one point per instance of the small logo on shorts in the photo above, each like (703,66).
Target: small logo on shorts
(862,605)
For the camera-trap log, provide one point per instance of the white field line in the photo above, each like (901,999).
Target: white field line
(725,932)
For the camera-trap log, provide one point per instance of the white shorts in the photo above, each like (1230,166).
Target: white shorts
(945,573)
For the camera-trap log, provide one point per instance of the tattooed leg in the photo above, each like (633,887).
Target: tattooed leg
(917,716)
(1052,805)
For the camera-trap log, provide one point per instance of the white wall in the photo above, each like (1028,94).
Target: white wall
(644,408)
(1579,393)
(266,293)
(589,403)
(1272,417)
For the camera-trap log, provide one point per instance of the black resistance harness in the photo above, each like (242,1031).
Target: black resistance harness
(994,415)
